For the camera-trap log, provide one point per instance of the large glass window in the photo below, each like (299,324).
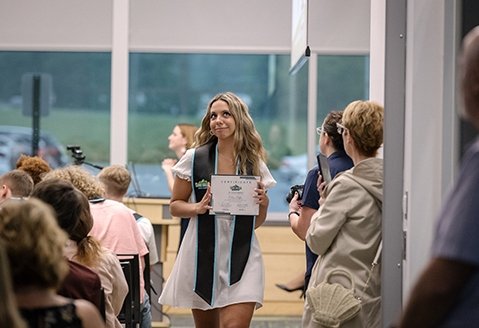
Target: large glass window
(167,89)
(341,79)
(79,106)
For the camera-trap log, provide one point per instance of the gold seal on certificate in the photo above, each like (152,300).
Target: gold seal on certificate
(233,194)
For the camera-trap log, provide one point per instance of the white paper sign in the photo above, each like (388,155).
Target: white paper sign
(233,194)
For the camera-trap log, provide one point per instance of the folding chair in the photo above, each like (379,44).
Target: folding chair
(130,311)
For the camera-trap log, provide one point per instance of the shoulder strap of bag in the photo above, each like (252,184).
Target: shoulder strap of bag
(380,246)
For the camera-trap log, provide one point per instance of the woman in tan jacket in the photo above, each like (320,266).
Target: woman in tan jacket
(346,230)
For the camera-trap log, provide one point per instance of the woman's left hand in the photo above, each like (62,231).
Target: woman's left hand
(261,195)
(321,184)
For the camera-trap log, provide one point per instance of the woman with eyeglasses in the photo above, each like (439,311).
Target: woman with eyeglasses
(346,230)
(300,211)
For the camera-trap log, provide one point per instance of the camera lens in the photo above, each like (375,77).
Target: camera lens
(292,190)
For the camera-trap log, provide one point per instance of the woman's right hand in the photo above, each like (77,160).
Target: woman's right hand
(204,204)
(295,204)
(168,163)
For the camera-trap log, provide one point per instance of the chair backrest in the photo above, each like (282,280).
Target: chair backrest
(103,304)
(147,275)
(130,311)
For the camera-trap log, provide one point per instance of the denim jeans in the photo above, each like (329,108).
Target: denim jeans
(145,315)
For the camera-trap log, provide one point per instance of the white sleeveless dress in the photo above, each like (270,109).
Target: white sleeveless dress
(179,288)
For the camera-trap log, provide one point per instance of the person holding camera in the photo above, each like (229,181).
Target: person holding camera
(305,200)
(346,230)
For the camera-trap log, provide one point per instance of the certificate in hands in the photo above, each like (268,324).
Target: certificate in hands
(233,194)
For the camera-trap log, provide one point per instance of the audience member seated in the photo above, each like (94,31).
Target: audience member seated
(80,282)
(116,180)
(36,166)
(15,184)
(73,215)
(34,244)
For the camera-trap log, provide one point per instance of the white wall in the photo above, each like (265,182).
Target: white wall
(55,24)
(339,26)
(427,162)
(183,25)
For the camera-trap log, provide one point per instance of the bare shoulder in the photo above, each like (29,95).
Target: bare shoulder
(89,314)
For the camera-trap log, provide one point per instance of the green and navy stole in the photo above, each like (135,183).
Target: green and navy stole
(204,165)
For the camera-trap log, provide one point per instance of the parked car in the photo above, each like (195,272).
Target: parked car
(6,144)
(17,140)
(294,169)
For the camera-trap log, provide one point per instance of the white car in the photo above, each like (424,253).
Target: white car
(294,169)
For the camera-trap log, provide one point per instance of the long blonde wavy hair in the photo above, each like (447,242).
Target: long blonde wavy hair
(248,146)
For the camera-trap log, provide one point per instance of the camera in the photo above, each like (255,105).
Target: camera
(292,190)
(79,157)
(77,154)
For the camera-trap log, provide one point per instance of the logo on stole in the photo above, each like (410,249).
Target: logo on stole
(202,184)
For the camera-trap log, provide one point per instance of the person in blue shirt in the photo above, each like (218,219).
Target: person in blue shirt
(447,291)
(300,211)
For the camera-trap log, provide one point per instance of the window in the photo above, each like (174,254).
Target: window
(80,100)
(170,88)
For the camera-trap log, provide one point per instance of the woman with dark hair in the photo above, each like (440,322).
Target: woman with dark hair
(72,210)
(300,211)
(221,285)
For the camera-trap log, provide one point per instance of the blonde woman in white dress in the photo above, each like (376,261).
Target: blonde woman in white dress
(227,290)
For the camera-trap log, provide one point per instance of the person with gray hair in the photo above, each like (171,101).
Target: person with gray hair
(447,291)
(346,230)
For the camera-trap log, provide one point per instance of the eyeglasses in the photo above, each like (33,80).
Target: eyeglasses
(340,128)
(319,130)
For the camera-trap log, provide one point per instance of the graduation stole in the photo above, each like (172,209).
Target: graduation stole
(204,165)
